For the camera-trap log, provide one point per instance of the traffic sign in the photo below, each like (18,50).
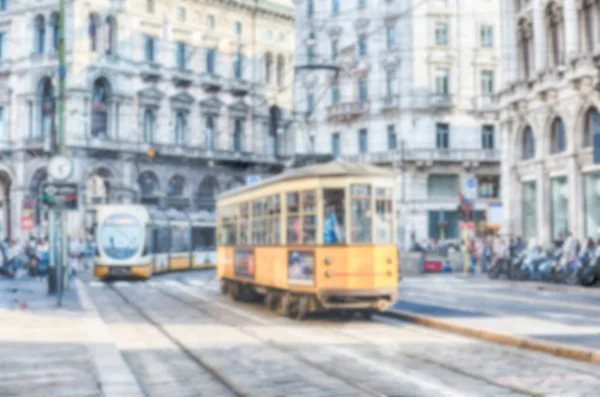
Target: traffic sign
(60,196)
(470,188)
(27,222)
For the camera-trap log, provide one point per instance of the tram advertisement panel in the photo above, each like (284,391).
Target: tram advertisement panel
(301,267)
(244,263)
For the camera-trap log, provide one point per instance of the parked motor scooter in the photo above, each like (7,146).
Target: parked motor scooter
(589,272)
(530,267)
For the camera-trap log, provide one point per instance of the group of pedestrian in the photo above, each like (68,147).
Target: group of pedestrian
(33,256)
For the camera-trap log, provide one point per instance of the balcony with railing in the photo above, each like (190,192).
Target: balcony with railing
(348,110)
(390,102)
(211,82)
(440,101)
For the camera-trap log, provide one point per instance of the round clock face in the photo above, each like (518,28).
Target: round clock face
(60,167)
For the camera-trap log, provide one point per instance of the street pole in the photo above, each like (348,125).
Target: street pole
(60,257)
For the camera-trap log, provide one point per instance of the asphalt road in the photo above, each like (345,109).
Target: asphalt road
(451,296)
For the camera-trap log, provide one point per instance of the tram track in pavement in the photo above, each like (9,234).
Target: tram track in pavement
(467,363)
(238,390)
(407,372)
(184,350)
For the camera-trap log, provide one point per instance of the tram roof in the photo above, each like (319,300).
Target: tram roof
(334,168)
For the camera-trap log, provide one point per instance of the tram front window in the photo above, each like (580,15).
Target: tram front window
(333,228)
(121,236)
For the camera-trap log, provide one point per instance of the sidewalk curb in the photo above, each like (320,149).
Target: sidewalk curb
(115,378)
(573,353)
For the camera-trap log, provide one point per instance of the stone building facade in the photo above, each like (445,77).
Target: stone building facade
(549,117)
(205,85)
(412,90)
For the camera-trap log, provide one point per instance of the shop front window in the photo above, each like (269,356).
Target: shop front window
(529,210)
(559,206)
(592,203)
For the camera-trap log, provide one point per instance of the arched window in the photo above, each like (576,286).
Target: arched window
(280,70)
(40,34)
(93,32)
(176,185)
(528,144)
(100,97)
(148,184)
(209,133)
(111,35)
(237,136)
(48,107)
(207,194)
(591,127)
(55,23)
(558,142)
(149,124)
(180,128)
(268,67)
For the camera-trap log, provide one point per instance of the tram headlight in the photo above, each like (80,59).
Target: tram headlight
(328,261)
(328,273)
(390,273)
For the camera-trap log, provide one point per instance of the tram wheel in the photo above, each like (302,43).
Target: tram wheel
(285,305)
(234,291)
(367,314)
(302,309)
(270,301)
(224,287)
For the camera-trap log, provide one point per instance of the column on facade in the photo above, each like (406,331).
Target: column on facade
(544,215)
(507,178)
(509,42)
(571,28)
(17,195)
(539,36)
(115,109)
(576,199)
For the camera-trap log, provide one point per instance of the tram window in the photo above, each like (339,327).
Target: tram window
(334,232)
(360,213)
(384,225)
(244,224)
(163,245)
(203,238)
(180,238)
(228,226)
(149,244)
(294,226)
(272,220)
(309,215)
(258,224)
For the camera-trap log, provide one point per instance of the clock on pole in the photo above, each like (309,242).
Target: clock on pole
(60,168)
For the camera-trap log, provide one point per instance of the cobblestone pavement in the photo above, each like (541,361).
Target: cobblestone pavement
(261,354)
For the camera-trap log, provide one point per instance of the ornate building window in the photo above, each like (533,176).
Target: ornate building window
(180,128)
(148,184)
(558,139)
(48,107)
(280,71)
(55,23)
(268,67)
(93,32)
(40,34)
(238,132)
(591,127)
(149,125)
(100,103)
(111,35)
(209,132)
(176,186)
(528,144)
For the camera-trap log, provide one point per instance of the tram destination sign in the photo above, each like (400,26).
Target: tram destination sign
(60,196)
